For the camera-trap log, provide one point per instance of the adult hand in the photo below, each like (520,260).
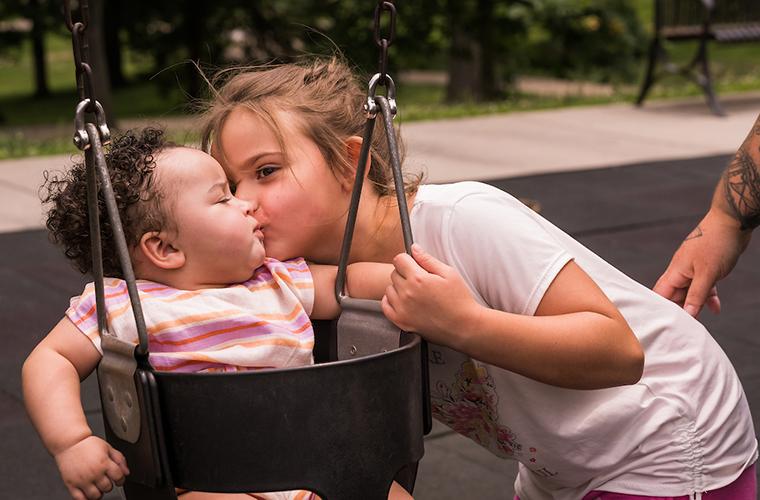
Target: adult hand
(431,298)
(707,255)
(90,468)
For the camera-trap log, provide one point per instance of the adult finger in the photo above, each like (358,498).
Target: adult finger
(664,288)
(679,296)
(428,262)
(713,301)
(697,294)
(670,283)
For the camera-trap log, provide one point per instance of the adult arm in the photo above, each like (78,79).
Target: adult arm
(51,377)
(711,250)
(577,338)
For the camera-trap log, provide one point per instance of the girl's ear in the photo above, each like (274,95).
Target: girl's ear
(160,252)
(353,150)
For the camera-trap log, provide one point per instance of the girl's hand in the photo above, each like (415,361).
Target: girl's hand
(90,468)
(430,298)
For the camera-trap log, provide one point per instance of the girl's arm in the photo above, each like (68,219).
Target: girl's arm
(51,376)
(364,280)
(577,338)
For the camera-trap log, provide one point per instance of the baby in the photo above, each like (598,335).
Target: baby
(211,298)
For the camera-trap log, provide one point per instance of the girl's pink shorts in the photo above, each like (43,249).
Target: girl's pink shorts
(744,488)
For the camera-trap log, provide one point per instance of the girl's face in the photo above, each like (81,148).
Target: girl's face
(299,202)
(216,231)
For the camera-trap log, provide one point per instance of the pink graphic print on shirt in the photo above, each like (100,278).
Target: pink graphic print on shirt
(468,406)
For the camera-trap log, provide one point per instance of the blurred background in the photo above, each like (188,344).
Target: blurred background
(628,182)
(453,57)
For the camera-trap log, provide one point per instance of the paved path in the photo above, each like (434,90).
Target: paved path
(497,146)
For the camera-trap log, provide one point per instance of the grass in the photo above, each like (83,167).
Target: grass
(19,145)
(733,66)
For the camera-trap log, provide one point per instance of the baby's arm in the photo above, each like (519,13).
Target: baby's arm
(51,378)
(577,338)
(364,280)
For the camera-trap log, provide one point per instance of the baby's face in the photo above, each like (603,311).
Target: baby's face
(221,239)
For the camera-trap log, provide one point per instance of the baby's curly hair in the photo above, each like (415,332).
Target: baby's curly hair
(131,161)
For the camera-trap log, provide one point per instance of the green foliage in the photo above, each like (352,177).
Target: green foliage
(600,39)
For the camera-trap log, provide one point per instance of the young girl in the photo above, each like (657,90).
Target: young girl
(211,300)
(540,350)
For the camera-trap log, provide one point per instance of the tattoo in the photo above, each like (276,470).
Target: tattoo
(694,234)
(742,189)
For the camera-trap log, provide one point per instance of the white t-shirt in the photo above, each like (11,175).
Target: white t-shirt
(685,427)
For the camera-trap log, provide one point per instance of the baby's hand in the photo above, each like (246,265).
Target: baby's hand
(90,468)
(430,298)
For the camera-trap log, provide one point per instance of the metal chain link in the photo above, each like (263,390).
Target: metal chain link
(382,42)
(88,102)
(382,78)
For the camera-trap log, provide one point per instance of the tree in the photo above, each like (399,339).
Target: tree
(486,40)
(38,48)
(38,15)
(97,59)
(112,18)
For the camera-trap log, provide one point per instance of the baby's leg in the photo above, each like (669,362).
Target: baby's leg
(397,492)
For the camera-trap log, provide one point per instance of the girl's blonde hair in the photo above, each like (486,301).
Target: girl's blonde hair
(324,94)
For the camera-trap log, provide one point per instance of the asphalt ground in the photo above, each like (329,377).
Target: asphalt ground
(634,216)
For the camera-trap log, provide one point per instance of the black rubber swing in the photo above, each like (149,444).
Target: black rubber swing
(343,428)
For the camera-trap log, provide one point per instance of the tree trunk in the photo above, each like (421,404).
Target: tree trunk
(489,80)
(38,50)
(464,70)
(112,22)
(472,56)
(98,62)
(195,17)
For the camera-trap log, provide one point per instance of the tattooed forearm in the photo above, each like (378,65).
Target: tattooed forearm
(696,233)
(742,189)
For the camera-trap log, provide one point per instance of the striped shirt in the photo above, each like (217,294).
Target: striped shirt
(261,323)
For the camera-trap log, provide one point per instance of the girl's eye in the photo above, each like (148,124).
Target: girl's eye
(225,200)
(265,171)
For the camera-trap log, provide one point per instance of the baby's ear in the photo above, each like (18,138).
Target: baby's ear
(160,252)
(353,151)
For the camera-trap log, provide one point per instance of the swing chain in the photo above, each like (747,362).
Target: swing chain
(85,88)
(382,77)
(382,42)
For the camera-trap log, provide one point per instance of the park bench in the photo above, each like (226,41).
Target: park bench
(723,21)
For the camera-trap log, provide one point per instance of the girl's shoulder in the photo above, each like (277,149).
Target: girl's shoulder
(454,193)
(468,197)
